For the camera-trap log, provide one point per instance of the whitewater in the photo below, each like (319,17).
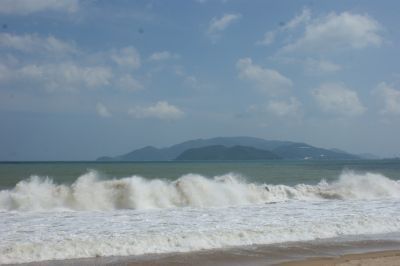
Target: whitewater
(93,216)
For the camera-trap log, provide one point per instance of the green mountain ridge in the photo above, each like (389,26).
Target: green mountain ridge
(283,149)
(223,153)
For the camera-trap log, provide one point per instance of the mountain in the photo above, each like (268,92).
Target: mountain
(284,149)
(150,153)
(220,152)
(302,151)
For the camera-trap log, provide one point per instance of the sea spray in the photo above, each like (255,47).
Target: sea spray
(37,236)
(90,192)
(93,216)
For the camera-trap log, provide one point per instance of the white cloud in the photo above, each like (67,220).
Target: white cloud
(34,43)
(338,31)
(64,76)
(303,18)
(337,99)
(161,56)
(24,7)
(390,98)
(269,37)
(160,110)
(66,73)
(291,108)
(126,57)
(268,80)
(313,66)
(128,83)
(220,24)
(217,25)
(102,110)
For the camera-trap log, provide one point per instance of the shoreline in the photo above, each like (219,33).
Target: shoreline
(391,257)
(319,252)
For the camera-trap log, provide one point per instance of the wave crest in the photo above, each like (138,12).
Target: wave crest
(89,192)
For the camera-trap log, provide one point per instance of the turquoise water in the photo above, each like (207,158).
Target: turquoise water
(270,172)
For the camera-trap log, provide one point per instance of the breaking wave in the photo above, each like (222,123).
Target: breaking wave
(89,192)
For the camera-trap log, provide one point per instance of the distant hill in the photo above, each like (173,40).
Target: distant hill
(283,149)
(220,152)
(299,151)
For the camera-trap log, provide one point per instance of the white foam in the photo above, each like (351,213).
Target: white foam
(41,220)
(37,236)
(89,192)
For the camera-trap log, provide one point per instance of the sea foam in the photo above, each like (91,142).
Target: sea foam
(41,220)
(90,192)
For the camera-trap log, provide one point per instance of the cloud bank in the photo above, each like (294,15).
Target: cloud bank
(265,79)
(337,99)
(218,25)
(30,43)
(338,31)
(390,98)
(25,7)
(126,57)
(161,110)
(291,108)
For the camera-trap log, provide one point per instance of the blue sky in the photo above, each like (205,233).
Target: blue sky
(81,79)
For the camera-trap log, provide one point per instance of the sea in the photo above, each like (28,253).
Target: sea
(70,210)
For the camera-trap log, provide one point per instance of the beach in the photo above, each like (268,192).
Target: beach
(388,258)
(313,253)
(261,214)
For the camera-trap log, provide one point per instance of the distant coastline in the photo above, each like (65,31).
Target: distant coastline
(235,148)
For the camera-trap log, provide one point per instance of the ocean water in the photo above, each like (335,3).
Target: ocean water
(78,210)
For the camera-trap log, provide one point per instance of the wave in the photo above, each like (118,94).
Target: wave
(90,192)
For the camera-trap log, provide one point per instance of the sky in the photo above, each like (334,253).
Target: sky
(81,79)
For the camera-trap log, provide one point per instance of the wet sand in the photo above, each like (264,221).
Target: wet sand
(387,258)
(294,254)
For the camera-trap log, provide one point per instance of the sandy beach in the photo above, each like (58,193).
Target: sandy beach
(296,254)
(388,258)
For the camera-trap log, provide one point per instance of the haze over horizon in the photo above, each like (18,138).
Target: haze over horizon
(80,79)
